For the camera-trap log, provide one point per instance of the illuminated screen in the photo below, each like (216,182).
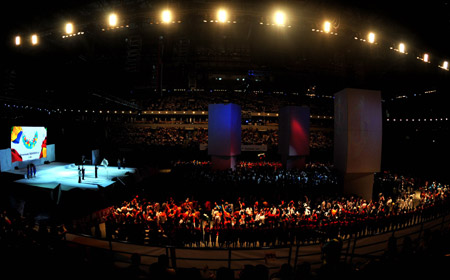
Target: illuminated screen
(28,143)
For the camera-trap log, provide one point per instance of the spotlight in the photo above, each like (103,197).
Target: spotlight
(34,39)
(112,20)
(424,58)
(401,48)
(371,37)
(444,65)
(17,41)
(279,18)
(166,16)
(69,28)
(222,16)
(327,26)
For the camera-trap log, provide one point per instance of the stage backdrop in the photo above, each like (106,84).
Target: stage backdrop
(6,164)
(51,153)
(28,143)
(5,160)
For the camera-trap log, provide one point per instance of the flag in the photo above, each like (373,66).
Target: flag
(105,162)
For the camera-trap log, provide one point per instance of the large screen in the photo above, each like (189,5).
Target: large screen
(28,143)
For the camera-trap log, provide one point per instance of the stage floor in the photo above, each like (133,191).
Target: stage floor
(51,175)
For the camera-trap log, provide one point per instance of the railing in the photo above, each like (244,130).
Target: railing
(356,248)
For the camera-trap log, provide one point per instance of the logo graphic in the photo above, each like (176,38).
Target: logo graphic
(29,144)
(16,134)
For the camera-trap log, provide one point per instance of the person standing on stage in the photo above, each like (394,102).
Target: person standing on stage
(96,171)
(79,174)
(31,170)
(82,173)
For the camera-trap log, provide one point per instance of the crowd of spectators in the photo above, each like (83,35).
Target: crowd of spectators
(182,137)
(250,101)
(245,222)
(254,222)
(29,249)
(27,246)
(258,137)
(261,173)
(321,140)
(161,136)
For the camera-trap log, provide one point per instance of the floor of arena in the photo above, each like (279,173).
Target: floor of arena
(51,175)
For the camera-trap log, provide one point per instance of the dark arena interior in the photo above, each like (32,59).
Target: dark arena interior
(225,140)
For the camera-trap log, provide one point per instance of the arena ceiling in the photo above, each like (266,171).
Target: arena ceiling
(295,58)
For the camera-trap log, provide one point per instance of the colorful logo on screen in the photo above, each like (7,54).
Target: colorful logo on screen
(16,134)
(30,143)
(43,149)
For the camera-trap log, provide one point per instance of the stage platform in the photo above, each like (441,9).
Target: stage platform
(49,176)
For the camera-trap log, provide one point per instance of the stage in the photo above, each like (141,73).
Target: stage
(51,175)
